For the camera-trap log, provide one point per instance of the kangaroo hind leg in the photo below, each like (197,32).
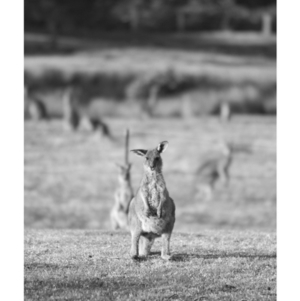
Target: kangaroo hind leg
(135,237)
(145,245)
(165,252)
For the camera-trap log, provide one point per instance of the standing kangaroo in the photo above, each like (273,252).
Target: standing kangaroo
(151,211)
(123,194)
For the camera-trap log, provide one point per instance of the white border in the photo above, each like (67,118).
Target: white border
(288,149)
(12,150)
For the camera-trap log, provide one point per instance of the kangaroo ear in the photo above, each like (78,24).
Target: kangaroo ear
(162,146)
(139,152)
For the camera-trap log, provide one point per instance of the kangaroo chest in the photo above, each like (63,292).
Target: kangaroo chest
(154,192)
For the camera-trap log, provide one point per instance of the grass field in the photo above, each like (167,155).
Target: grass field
(70,178)
(224,249)
(95,265)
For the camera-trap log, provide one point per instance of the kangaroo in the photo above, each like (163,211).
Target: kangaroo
(76,108)
(217,169)
(36,109)
(151,211)
(123,194)
(214,170)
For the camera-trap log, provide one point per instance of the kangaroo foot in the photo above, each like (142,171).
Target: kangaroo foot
(166,257)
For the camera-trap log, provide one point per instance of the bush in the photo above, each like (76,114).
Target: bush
(69,17)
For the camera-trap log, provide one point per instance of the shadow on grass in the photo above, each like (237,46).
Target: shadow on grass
(48,266)
(93,283)
(181,257)
(187,257)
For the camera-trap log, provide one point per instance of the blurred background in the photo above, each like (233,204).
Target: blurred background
(198,73)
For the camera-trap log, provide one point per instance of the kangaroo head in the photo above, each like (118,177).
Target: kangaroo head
(124,172)
(153,161)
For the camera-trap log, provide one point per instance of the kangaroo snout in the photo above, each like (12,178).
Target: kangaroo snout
(153,165)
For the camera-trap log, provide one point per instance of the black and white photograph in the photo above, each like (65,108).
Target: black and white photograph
(150,150)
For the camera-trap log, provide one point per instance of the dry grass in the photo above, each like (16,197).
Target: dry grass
(70,177)
(95,265)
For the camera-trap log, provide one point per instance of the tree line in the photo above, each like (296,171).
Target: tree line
(82,16)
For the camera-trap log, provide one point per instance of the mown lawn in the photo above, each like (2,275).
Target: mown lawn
(95,265)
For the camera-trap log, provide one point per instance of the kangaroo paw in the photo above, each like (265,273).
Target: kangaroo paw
(166,257)
(134,256)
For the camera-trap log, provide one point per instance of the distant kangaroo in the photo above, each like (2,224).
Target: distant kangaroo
(123,194)
(151,211)
(216,169)
(75,108)
(213,170)
(35,107)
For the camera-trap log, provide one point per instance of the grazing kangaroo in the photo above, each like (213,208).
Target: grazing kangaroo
(76,108)
(123,194)
(216,170)
(151,211)
(36,109)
